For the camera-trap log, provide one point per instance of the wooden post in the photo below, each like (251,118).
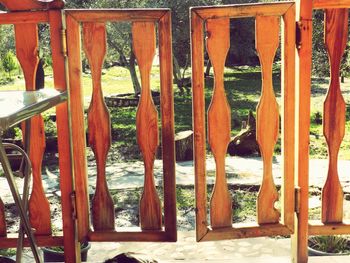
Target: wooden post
(78,126)
(303,83)
(167,112)
(63,138)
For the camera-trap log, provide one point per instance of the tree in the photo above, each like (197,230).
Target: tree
(9,63)
(319,54)
(119,38)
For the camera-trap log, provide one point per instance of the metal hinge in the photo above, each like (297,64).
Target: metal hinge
(298,30)
(297,199)
(73,200)
(64,42)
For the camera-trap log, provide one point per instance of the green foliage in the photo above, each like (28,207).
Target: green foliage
(184,198)
(244,203)
(9,62)
(8,252)
(330,244)
(316,118)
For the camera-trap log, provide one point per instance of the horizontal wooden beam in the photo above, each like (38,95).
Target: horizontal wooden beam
(318,228)
(245,231)
(11,241)
(110,15)
(238,11)
(34,17)
(109,236)
(323,4)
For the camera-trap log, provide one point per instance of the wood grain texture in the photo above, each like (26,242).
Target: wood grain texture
(168,133)
(336,35)
(21,5)
(267,41)
(288,134)
(42,241)
(100,15)
(242,10)
(303,95)
(198,109)
(99,123)
(23,17)
(26,36)
(246,230)
(2,220)
(63,137)
(323,4)
(78,126)
(316,227)
(219,121)
(144,45)
(125,235)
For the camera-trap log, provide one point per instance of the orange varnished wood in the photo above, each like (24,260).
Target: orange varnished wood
(109,15)
(42,241)
(267,41)
(63,137)
(144,45)
(167,113)
(288,117)
(2,220)
(198,109)
(99,123)
(219,121)
(27,54)
(246,230)
(242,10)
(302,131)
(15,5)
(336,35)
(23,17)
(323,4)
(78,126)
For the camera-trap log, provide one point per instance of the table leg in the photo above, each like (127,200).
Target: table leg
(26,164)
(23,215)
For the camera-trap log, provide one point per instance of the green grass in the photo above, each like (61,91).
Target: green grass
(243,89)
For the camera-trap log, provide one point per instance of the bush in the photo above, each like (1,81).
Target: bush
(9,63)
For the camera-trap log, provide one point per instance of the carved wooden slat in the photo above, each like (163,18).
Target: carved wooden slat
(336,34)
(219,121)
(27,53)
(99,125)
(267,41)
(2,220)
(144,45)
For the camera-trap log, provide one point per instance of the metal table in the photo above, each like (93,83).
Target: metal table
(15,107)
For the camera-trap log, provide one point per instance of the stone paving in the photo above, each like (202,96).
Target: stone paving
(187,249)
(239,171)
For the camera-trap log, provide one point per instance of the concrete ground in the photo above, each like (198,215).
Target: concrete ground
(253,250)
(248,171)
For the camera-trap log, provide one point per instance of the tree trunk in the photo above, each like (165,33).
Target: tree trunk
(132,69)
(176,71)
(184,146)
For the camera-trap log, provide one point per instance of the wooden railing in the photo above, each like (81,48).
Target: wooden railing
(294,127)
(27,44)
(93,27)
(336,27)
(270,221)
